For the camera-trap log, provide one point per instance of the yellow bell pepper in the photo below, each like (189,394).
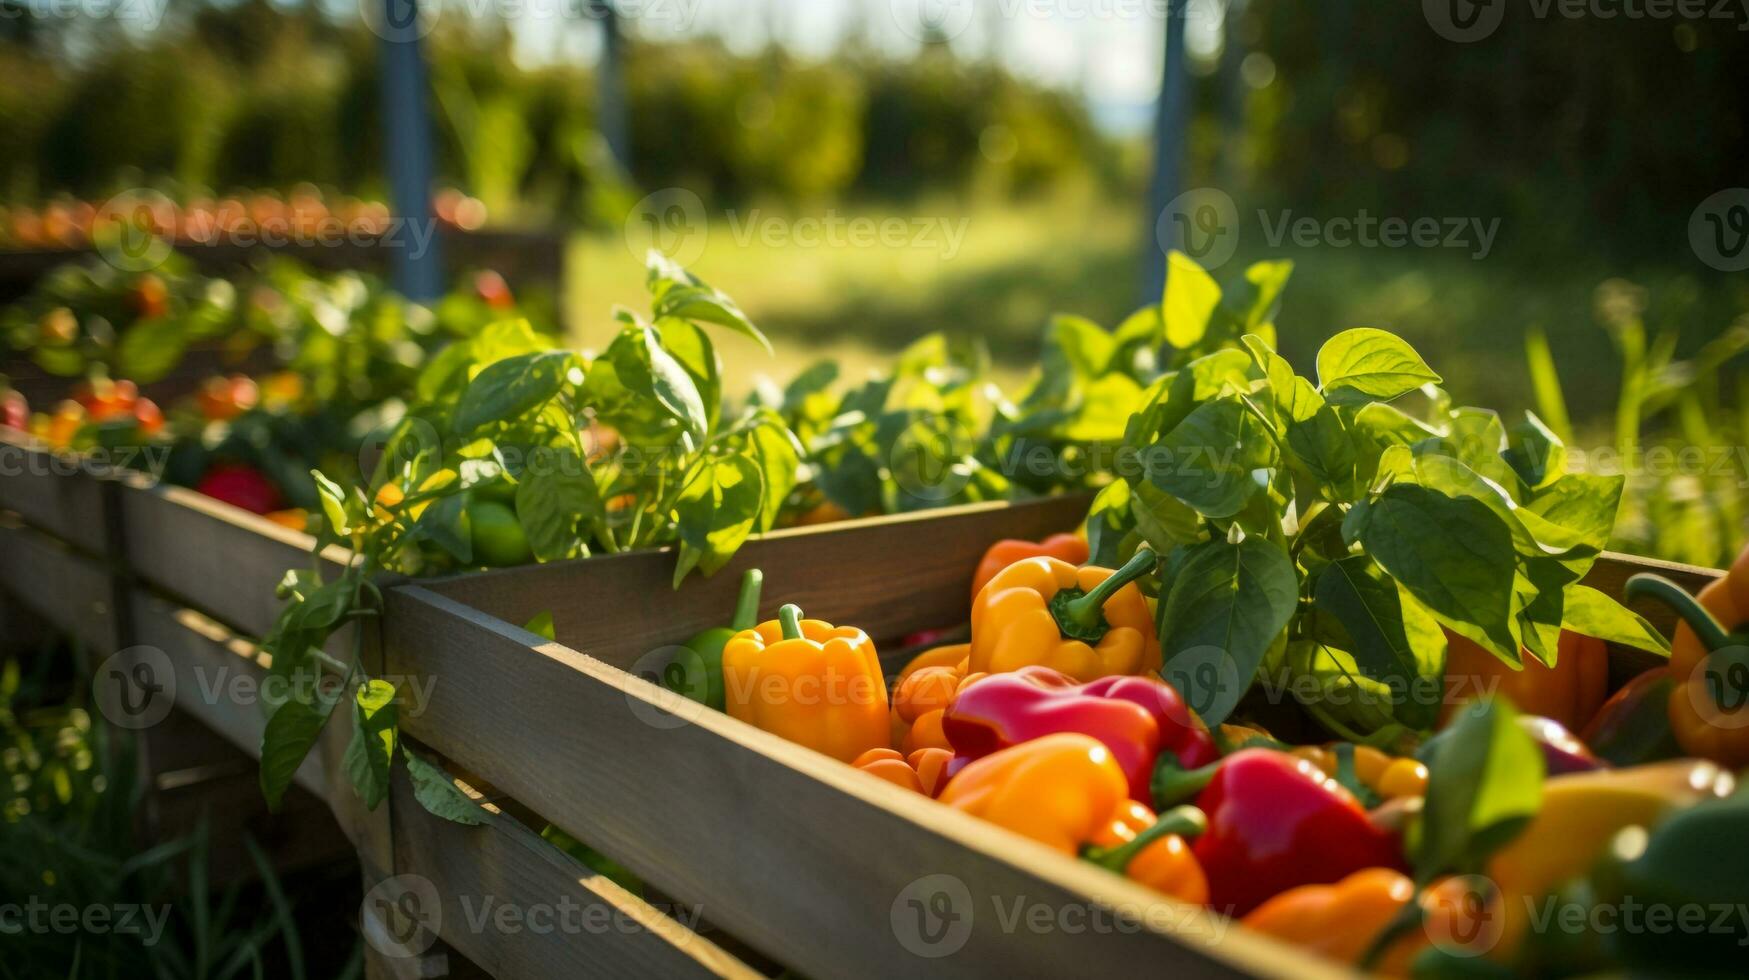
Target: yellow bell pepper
(1086,622)
(813,683)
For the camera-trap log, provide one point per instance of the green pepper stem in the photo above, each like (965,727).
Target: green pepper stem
(790,617)
(1087,611)
(1648,586)
(747,605)
(1185,821)
(1173,785)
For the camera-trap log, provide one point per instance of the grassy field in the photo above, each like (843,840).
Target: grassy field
(1017,264)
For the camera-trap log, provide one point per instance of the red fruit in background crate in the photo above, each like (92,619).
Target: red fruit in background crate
(14,411)
(491,287)
(241,486)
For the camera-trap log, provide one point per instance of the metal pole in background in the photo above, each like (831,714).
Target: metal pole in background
(1169,128)
(610,85)
(416,253)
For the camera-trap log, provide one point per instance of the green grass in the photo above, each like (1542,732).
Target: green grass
(1020,263)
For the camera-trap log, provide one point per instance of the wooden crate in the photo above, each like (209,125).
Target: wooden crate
(807,863)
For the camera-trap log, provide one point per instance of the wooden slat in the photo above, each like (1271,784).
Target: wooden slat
(58,492)
(800,855)
(933,554)
(214,557)
(1613,569)
(70,591)
(218,677)
(582,924)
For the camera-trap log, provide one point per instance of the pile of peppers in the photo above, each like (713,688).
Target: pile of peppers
(1052,722)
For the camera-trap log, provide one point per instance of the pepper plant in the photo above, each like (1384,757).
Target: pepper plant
(1321,534)
(627,449)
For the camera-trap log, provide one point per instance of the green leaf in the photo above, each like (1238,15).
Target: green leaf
(1583,504)
(321,607)
(1391,639)
(647,369)
(558,503)
(1164,521)
(445,523)
(1210,460)
(333,501)
(717,511)
(1484,784)
(438,794)
(151,348)
(1109,523)
(678,293)
(1268,280)
(1084,343)
(777,453)
(1453,554)
(692,348)
(372,748)
(1227,604)
(542,626)
(1191,297)
(512,388)
(1372,363)
(1589,612)
(1535,453)
(289,735)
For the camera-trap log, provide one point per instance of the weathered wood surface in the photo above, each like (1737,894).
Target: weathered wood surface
(519,908)
(890,576)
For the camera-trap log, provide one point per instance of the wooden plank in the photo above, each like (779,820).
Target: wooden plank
(70,591)
(215,557)
(58,492)
(518,907)
(934,554)
(802,856)
(217,677)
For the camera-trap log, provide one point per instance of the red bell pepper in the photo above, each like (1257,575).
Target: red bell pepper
(1137,718)
(1275,822)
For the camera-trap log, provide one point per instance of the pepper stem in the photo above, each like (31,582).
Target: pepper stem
(1648,586)
(1185,821)
(1173,784)
(1082,616)
(790,617)
(747,605)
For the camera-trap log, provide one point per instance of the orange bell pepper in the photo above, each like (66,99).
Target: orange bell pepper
(1071,548)
(951,655)
(1570,692)
(1067,792)
(921,699)
(813,683)
(1341,921)
(1709,702)
(1086,622)
(923,771)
